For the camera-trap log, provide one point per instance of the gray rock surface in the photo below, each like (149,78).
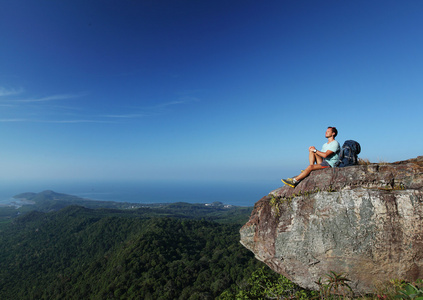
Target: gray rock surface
(364,221)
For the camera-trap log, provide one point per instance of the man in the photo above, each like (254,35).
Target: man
(319,159)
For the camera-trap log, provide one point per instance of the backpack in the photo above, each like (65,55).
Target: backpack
(348,154)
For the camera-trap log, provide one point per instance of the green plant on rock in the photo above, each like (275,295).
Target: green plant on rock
(334,287)
(266,284)
(411,291)
(278,202)
(331,189)
(398,283)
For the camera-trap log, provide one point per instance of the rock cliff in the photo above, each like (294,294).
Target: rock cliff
(364,221)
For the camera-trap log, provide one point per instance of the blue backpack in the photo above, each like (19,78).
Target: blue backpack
(348,154)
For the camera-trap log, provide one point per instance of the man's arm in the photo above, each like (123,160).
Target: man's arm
(320,153)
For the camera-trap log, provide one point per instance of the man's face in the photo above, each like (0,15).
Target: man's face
(329,133)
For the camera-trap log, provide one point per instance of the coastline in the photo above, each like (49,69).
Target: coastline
(17,202)
(146,192)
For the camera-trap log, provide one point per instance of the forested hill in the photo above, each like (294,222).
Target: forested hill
(162,251)
(80,253)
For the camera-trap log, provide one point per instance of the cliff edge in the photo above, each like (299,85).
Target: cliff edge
(364,221)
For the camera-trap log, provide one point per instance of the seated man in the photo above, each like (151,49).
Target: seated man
(319,159)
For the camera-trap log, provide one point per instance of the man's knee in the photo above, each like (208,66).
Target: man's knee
(316,167)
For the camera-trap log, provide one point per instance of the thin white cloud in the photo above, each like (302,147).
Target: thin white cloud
(75,121)
(9,92)
(171,103)
(183,100)
(28,109)
(126,116)
(22,120)
(50,98)
(13,120)
(42,109)
(155,110)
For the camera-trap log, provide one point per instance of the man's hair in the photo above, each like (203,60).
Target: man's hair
(334,130)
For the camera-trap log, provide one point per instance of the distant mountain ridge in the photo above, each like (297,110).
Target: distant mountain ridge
(49,201)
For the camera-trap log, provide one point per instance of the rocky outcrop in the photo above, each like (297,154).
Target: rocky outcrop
(364,221)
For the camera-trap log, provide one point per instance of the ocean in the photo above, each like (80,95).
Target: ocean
(233,193)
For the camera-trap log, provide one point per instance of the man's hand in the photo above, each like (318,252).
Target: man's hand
(311,149)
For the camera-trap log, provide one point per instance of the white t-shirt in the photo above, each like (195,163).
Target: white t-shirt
(335,148)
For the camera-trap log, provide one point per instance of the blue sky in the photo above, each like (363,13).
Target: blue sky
(204,90)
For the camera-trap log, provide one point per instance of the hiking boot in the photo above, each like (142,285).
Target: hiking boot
(290,181)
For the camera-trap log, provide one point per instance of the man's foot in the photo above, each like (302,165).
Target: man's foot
(290,181)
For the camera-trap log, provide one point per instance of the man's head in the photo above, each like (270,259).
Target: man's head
(331,132)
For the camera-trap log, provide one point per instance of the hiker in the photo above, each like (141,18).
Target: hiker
(326,158)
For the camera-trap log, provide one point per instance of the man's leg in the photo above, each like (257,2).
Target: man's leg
(313,158)
(315,164)
(308,170)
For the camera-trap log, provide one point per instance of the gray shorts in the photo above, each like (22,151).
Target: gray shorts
(325,164)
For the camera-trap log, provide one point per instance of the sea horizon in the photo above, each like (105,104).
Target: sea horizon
(237,193)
